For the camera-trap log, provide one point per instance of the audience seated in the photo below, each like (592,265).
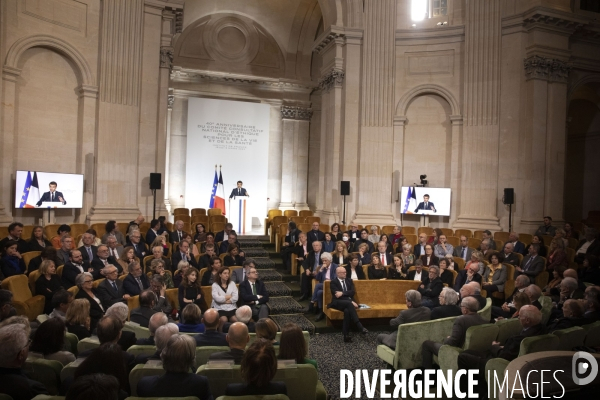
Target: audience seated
(94,387)
(110,290)
(517,246)
(102,260)
(49,341)
(211,337)
(15,231)
(112,229)
(231,239)
(469,318)
(86,291)
(590,271)
(429,258)
(88,249)
(377,270)
(62,231)
(177,235)
(267,329)
(11,262)
(443,248)
(557,277)
(258,368)
(353,269)
(135,240)
(47,284)
(446,275)
(519,300)
(109,331)
(588,246)
(136,281)
(157,320)
(547,229)
(414,313)
(311,264)
(431,288)
(78,319)
(178,357)
(120,311)
(507,309)
(342,290)
(469,274)
(385,256)
(417,273)
(495,274)
(253,293)
(61,300)
(473,290)
(142,314)
(48,253)
(225,295)
(161,337)
(190,291)
(64,251)
(572,316)
(212,273)
(114,249)
(326,272)
(237,338)
(592,304)
(448,305)
(13,354)
(191,319)
(242,314)
(539,240)
(293,345)
(532,264)
(74,267)
(364,238)
(534,293)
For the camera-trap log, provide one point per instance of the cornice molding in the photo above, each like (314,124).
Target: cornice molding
(296,113)
(549,69)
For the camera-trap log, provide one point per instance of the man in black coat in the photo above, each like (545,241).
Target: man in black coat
(572,316)
(385,256)
(15,230)
(136,281)
(145,311)
(254,294)
(532,264)
(342,290)
(102,260)
(74,267)
(310,264)
(467,275)
(109,332)
(315,234)
(110,290)
(211,337)
(140,249)
(431,289)
(88,250)
(238,338)
(414,313)
(183,253)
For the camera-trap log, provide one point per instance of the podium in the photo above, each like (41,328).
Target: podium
(239,214)
(53,204)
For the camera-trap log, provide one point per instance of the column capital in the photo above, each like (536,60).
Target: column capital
(296,113)
(88,91)
(170,101)
(332,78)
(400,120)
(548,69)
(166,57)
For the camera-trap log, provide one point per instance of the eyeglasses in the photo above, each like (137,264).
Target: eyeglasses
(88,281)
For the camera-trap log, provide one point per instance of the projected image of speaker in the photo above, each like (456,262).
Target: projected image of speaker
(155,181)
(345,188)
(509,196)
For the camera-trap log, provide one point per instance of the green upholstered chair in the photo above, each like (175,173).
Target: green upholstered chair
(203,352)
(5,397)
(46,372)
(42,318)
(301,381)
(278,338)
(140,371)
(478,338)
(87,344)
(69,370)
(592,338)
(486,312)
(71,341)
(534,344)
(142,350)
(257,397)
(140,331)
(570,338)
(546,302)
(508,328)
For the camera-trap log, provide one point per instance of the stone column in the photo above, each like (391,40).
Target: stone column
(377,114)
(455,163)
(294,169)
(479,192)
(7,145)
(117,180)
(398,162)
(166,201)
(275,155)
(88,104)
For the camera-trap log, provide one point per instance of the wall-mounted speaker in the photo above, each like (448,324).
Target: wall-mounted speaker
(155,181)
(345,188)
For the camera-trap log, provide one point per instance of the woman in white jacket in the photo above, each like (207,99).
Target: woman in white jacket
(225,296)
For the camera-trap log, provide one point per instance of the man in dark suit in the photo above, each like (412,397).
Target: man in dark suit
(572,316)
(103,259)
(156,321)
(315,234)
(530,318)
(109,332)
(534,293)
(510,257)
(160,339)
(507,309)
(417,274)
(52,195)
(431,289)
(114,248)
(152,232)
(239,191)
(415,313)
(136,281)
(518,246)
(139,247)
(211,337)
(364,238)
(419,249)
(310,264)
(588,246)
(353,233)
(473,289)
(467,275)
(231,239)
(532,264)
(254,294)
(88,250)
(204,261)
(244,315)
(110,290)
(178,358)
(238,338)
(224,234)
(426,205)
(177,235)
(241,274)
(463,251)
(183,253)
(342,290)
(385,256)
(145,311)
(15,230)
(287,248)
(74,267)
(469,307)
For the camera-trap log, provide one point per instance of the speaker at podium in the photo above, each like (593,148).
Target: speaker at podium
(239,214)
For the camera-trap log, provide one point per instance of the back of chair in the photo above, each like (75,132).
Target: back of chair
(28,256)
(19,286)
(453,240)
(463,232)
(526,238)
(447,231)
(71,341)
(412,239)
(311,219)
(133,302)
(542,279)
(89,343)
(290,213)
(409,230)
(203,352)
(140,371)
(51,230)
(502,236)
(142,350)
(592,338)
(33,277)
(508,328)
(460,263)
(534,344)
(140,331)
(479,337)
(570,338)
(181,210)
(47,372)
(474,243)
(425,229)
(214,211)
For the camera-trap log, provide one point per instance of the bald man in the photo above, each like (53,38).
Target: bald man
(238,338)
(211,336)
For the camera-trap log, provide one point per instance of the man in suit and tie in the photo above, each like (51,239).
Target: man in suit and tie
(469,318)
(426,205)
(139,247)
(315,234)
(237,338)
(231,239)
(239,191)
(52,195)
(463,251)
(153,231)
(532,264)
(66,244)
(254,294)
(239,275)
(510,257)
(415,313)
(103,259)
(467,275)
(222,236)
(114,248)
(15,230)
(211,336)
(145,311)
(342,290)
(518,247)
(136,281)
(177,235)
(507,309)
(74,267)
(110,290)
(183,254)
(310,264)
(417,274)
(88,250)
(385,256)
(420,246)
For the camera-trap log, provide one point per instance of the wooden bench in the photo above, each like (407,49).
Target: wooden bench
(386,298)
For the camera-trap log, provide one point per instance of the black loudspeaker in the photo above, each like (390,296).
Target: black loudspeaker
(345,190)
(509,196)
(154,181)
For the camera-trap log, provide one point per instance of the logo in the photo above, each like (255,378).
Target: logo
(584,367)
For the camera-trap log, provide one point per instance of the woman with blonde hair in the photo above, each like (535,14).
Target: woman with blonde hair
(182,267)
(340,254)
(558,254)
(48,283)
(374,236)
(158,268)
(408,258)
(477,258)
(161,241)
(78,318)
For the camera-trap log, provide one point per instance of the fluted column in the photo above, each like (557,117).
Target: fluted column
(121,42)
(166,201)
(377,114)
(479,192)
(7,144)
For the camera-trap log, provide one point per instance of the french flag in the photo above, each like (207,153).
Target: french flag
(31,191)
(220,194)
(411,201)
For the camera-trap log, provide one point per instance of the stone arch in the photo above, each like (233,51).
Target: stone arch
(428,89)
(333,12)
(18,48)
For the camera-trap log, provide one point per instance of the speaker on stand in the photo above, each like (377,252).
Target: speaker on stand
(509,198)
(154,186)
(344,191)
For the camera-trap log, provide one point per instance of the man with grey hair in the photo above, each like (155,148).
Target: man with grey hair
(510,257)
(120,311)
(431,289)
(238,338)
(469,318)
(242,314)
(177,235)
(157,285)
(534,293)
(161,337)
(447,308)
(103,260)
(473,290)
(507,309)
(110,290)
(572,316)
(13,354)
(157,320)
(569,289)
(518,246)
(178,358)
(414,313)
(136,281)
(88,250)
(114,248)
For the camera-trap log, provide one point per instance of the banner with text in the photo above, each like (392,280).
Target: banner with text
(234,135)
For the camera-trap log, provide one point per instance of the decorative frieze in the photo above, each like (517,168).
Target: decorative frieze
(297,113)
(553,70)
(170,101)
(333,78)
(166,57)
(178,21)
